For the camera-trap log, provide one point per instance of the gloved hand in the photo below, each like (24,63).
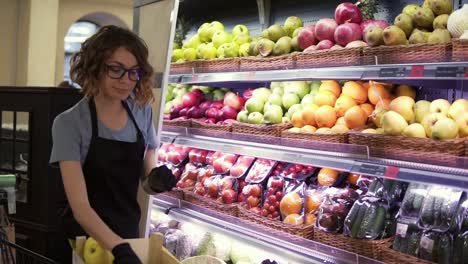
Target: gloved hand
(161,179)
(124,254)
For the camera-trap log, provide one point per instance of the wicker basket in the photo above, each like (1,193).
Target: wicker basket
(369,248)
(218,65)
(176,193)
(202,125)
(334,138)
(182,67)
(395,257)
(327,58)
(416,149)
(182,123)
(299,231)
(426,52)
(229,209)
(282,62)
(460,50)
(262,130)
(466,147)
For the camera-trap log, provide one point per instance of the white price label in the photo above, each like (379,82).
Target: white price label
(401,230)
(427,243)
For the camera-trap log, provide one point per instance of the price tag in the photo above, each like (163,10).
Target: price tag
(401,230)
(417,71)
(372,169)
(427,243)
(392,172)
(392,72)
(459,71)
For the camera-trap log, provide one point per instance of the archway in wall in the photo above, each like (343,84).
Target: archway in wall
(82,29)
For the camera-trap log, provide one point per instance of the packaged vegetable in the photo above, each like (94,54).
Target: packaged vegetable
(413,201)
(334,208)
(460,225)
(407,237)
(366,219)
(391,190)
(292,203)
(460,248)
(436,247)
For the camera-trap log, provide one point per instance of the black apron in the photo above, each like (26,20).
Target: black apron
(112,170)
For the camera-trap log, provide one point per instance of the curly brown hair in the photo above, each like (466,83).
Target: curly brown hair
(87,65)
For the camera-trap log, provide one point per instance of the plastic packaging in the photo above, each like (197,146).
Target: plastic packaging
(363,183)
(327,176)
(213,186)
(278,168)
(460,248)
(292,203)
(241,166)
(204,173)
(162,152)
(260,170)
(407,237)
(334,208)
(313,199)
(273,195)
(188,176)
(198,156)
(223,163)
(366,219)
(439,208)
(297,171)
(460,225)
(436,247)
(413,201)
(391,190)
(228,190)
(252,197)
(177,155)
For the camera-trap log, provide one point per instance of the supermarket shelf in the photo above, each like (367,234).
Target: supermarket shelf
(311,251)
(419,71)
(345,157)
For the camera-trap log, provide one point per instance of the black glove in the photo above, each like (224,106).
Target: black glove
(161,179)
(124,254)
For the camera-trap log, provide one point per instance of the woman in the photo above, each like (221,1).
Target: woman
(107,141)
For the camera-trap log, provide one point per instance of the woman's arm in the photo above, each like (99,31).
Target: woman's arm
(75,189)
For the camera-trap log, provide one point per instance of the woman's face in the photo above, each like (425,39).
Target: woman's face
(121,74)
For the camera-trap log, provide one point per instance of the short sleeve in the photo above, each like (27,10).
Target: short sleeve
(151,131)
(65,139)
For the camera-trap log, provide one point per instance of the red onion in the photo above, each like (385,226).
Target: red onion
(183,111)
(325,44)
(366,24)
(347,32)
(348,12)
(325,29)
(306,37)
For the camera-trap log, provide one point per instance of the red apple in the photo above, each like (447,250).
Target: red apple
(237,171)
(230,157)
(233,100)
(241,197)
(217,104)
(306,37)
(255,190)
(229,196)
(253,201)
(227,184)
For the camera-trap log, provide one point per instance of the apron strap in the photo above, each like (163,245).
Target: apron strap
(130,114)
(92,109)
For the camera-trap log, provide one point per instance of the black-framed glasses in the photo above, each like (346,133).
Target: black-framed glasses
(117,72)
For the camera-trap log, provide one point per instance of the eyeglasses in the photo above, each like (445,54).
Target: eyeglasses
(117,72)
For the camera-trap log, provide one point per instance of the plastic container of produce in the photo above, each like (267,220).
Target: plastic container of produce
(189,176)
(297,171)
(334,208)
(460,248)
(292,203)
(198,156)
(228,189)
(241,167)
(407,237)
(272,197)
(223,163)
(260,170)
(252,197)
(436,247)
(413,200)
(367,218)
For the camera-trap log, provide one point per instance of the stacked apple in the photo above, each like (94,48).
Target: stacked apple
(189,176)
(198,156)
(224,162)
(228,190)
(437,119)
(242,165)
(177,154)
(163,151)
(203,175)
(175,93)
(253,197)
(273,196)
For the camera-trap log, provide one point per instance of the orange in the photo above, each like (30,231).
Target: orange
(331,86)
(291,203)
(368,108)
(366,85)
(313,200)
(355,91)
(355,117)
(327,177)
(296,119)
(294,219)
(407,90)
(310,219)
(340,121)
(353,178)
(325,116)
(308,116)
(343,103)
(325,98)
(383,104)
(377,92)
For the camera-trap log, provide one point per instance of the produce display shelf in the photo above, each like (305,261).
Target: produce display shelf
(419,71)
(344,157)
(312,251)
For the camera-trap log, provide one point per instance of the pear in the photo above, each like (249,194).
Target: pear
(275,32)
(291,24)
(440,22)
(393,35)
(393,123)
(296,31)
(410,10)
(265,47)
(419,37)
(439,36)
(374,36)
(424,17)
(426,4)
(440,7)
(295,44)
(405,23)
(282,46)
(253,48)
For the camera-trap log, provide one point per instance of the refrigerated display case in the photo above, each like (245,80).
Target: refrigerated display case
(434,80)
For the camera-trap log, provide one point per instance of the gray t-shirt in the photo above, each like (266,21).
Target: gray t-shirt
(72,131)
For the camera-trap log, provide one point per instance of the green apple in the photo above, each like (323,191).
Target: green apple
(296,32)
(253,48)
(457,108)
(228,50)
(393,123)
(293,109)
(244,50)
(445,129)
(241,39)
(255,118)
(190,54)
(262,93)
(308,99)
(462,122)
(415,130)
(277,88)
(220,37)
(266,106)
(290,99)
(206,34)
(301,88)
(167,107)
(240,29)
(429,121)
(93,253)
(202,27)
(218,95)
(291,24)
(255,104)
(275,99)
(421,109)
(441,106)
(193,42)
(210,52)
(201,50)
(180,60)
(273,115)
(242,116)
(315,86)
(177,54)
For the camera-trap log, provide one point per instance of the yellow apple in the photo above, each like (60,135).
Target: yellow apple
(445,129)
(403,105)
(462,122)
(415,130)
(376,117)
(93,253)
(406,90)
(429,120)
(339,129)
(379,130)
(421,109)
(458,108)
(393,123)
(441,106)
(369,131)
